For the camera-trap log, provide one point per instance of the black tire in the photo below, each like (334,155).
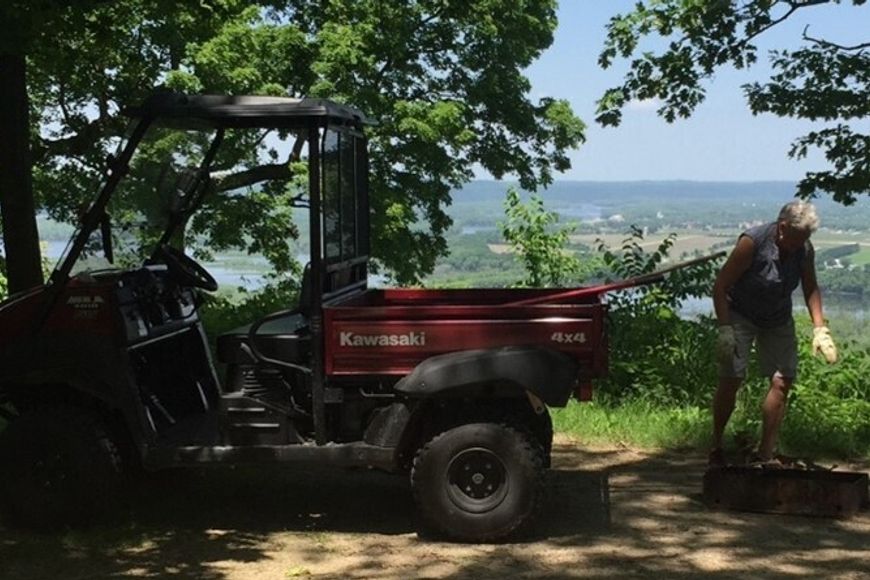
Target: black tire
(479,482)
(57,467)
(543,430)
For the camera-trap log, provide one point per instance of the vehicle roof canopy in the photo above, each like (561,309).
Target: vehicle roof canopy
(220,111)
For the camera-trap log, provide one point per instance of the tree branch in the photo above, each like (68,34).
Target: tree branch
(829,44)
(77,144)
(797,4)
(61,97)
(227,180)
(389,61)
(296,155)
(793,7)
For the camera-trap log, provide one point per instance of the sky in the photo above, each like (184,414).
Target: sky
(722,141)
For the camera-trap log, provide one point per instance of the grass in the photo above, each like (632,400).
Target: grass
(634,424)
(829,431)
(637,424)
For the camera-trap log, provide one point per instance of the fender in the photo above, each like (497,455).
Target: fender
(548,374)
(46,367)
(55,380)
(92,364)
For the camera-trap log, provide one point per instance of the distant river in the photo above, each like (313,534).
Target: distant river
(835,306)
(226,275)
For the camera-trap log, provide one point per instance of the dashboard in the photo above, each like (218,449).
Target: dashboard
(152,304)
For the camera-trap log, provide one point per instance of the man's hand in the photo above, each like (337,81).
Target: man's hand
(823,343)
(726,344)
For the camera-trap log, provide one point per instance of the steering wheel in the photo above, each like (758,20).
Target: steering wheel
(186,270)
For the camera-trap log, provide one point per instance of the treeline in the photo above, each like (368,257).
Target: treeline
(838,252)
(846,281)
(680,203)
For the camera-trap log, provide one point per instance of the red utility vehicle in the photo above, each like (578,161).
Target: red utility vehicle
(108,368)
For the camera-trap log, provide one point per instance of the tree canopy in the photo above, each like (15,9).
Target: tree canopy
(443,79)
(822,81)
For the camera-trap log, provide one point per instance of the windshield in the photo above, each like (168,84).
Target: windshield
(162,173)
(205,191)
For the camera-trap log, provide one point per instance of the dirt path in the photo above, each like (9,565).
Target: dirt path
(611,513)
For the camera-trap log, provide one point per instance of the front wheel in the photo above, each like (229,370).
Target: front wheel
(58,466)
(479,482)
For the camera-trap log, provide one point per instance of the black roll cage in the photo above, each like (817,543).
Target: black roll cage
(317,117)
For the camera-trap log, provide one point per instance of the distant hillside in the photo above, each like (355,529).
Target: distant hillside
(699,201)
(611,192)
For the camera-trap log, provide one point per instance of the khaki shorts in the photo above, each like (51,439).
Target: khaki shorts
(777,349)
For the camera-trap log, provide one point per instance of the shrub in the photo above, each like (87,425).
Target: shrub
(537,243)
(656,356)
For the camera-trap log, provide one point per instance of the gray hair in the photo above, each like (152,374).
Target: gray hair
(800,215)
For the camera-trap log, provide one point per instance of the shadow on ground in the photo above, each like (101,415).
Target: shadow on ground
(609,512)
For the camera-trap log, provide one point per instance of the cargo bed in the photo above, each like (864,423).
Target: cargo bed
(389,332)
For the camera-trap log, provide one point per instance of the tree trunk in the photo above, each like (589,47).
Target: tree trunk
(20,235)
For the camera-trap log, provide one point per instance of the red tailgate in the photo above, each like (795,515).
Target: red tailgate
(390,332)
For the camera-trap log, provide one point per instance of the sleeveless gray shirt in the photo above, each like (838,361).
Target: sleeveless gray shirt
(763,292)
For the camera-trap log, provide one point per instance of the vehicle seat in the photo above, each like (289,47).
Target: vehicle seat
(285,338)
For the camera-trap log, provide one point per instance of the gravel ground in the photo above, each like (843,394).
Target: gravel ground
(611,512)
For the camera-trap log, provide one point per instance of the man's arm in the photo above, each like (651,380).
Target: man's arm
(812,294)
(736,264)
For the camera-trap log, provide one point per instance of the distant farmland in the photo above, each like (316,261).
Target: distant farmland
(686,242)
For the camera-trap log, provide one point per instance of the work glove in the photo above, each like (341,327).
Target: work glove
(823,343)
(726,344)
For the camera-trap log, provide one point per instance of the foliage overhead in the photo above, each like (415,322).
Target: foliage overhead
(822,81)
(444,79)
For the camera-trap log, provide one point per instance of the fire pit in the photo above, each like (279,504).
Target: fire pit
(786,491)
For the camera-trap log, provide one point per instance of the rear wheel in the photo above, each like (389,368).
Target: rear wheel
(59,467)
(478,482)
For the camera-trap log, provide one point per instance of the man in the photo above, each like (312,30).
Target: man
(752,300)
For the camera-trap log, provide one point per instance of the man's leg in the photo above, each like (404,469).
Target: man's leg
(723,406)
(731,374)
(777,353)
(773,410)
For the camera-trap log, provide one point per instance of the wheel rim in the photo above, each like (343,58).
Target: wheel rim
(476,480)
